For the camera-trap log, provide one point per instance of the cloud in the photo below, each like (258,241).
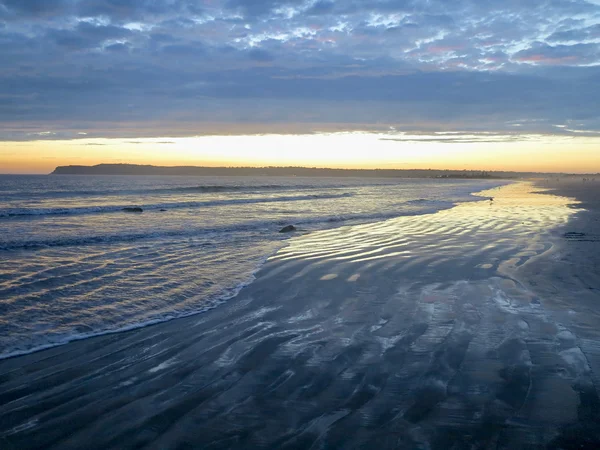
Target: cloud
(260,55)
(577,54)
(118,47)
(321,7)
(576,34)
(86,35)
(123,10)
(464,138)
(143,142)
(33,8)
(263,7)
(291,64)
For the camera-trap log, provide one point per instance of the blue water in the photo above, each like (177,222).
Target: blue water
(73,264)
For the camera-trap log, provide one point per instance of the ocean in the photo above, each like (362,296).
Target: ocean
(75,264)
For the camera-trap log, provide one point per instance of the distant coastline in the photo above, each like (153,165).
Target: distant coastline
(135,169)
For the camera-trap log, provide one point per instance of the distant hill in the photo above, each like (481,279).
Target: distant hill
(134,169)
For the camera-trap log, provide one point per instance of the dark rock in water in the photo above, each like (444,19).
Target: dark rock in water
(162,210)
(135,209)
(287,229)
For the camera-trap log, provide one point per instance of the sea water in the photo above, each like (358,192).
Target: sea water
(74,263)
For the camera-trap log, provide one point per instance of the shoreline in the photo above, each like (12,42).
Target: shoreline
(228,295)
(404,332)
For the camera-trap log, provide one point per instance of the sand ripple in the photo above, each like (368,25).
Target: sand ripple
(416,332)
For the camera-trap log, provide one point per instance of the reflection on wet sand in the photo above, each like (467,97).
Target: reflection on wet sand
(417,332)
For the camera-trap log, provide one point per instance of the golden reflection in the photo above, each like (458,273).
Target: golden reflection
(518,217)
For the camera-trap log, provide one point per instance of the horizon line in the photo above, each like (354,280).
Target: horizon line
(360,169)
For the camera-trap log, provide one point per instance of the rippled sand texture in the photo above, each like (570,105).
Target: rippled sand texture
(73,264)
(416,333)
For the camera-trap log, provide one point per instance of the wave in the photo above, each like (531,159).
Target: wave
(217,188)
(15,212)
(261,229)
(165,190)
(433,207)
(270,226)
(208,304)
(120,238)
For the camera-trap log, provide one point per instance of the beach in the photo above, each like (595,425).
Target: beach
(470,327)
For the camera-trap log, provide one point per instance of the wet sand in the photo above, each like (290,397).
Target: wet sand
(475,327)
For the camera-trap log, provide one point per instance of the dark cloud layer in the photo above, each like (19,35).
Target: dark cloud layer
(69,66)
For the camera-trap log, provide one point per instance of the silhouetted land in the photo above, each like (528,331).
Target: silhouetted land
(134,169)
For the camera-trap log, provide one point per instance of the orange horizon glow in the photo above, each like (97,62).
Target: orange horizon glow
(349,150)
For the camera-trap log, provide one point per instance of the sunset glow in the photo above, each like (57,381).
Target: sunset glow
(452,84)
(339,150)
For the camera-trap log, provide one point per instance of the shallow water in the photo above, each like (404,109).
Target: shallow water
(74,264)
(417,332)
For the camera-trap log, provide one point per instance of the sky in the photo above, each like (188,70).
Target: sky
(496,85)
